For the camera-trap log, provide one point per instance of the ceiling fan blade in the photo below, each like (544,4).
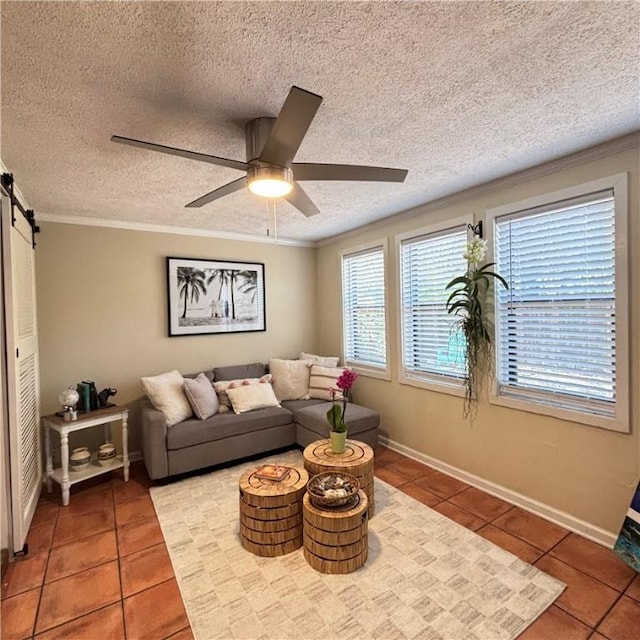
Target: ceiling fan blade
(290,127)
(314,171)
(221,192)
(301,201)
(183,153)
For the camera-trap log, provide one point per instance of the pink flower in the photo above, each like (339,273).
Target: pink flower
(336,413)
(346,379)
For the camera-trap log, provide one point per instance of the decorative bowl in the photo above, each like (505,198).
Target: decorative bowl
(80,459)
(331,489)
(106,453)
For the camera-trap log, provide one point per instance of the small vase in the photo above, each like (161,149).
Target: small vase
(338,441)
(79,459)
(106,454)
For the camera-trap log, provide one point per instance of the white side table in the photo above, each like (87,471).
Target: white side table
(101,416)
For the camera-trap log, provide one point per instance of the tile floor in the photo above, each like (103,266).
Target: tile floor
(99,569)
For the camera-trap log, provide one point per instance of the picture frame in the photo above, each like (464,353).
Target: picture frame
(214,296)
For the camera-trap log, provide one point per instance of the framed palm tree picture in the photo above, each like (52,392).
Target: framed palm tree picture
(215,296)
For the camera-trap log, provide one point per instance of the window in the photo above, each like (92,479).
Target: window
(433,349)
(364,310)
(561,326)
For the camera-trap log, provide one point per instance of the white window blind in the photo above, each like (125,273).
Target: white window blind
(556,324)
(363,308)
(432,346)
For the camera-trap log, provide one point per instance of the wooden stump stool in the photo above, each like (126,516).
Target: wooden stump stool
(357,459)
(335,541)
(271,513)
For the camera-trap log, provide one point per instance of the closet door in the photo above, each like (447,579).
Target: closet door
(18,266)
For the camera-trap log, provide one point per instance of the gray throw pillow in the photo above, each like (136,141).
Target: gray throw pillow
(201,395)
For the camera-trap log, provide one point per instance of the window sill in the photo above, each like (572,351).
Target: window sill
(582,417)
(452,386)
(368,372)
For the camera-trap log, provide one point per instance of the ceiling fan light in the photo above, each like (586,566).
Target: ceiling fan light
(270,182)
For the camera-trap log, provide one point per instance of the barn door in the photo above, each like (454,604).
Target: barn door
(18,266)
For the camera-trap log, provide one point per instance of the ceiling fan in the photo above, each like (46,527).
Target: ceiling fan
(271,145)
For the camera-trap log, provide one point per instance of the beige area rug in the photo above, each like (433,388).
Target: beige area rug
(426,577)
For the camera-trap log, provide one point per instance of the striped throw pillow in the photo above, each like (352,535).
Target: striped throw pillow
(322,379)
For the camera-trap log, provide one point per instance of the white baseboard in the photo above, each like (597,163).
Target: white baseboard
(561,518)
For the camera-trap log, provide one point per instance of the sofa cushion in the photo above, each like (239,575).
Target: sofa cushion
(234,372)
(166,394)
(251,397)
(358,418)
(295,405)
(225,425)
(202,398)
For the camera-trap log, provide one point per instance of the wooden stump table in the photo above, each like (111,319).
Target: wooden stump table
(271,512)
(357,459)
(335,540)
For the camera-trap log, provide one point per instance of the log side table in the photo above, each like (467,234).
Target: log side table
(357,459)
(271,512)
(335,540)
(61,475)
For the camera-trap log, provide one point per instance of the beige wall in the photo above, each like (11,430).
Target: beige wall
(584,471)
(102,309)
(102,315)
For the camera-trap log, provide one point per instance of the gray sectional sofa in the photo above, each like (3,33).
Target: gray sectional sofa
(223,437)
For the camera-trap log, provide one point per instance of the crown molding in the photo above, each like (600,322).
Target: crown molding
(163,228)
(603,150)
(153,228)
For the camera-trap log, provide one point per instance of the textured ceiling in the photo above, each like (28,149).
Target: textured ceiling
(457,92)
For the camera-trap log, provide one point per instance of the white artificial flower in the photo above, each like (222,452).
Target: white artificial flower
(476,251)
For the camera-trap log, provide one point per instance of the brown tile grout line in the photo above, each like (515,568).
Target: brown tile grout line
(44,574)
(61,624)
(115,527)
(173,577)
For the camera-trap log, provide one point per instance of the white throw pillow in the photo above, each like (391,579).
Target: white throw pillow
(166,394)
(290,379)
(324,361)
(252,396)
(222,386)
(201,395)
(322,379)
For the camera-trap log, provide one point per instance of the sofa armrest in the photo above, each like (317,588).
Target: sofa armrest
(154,443)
